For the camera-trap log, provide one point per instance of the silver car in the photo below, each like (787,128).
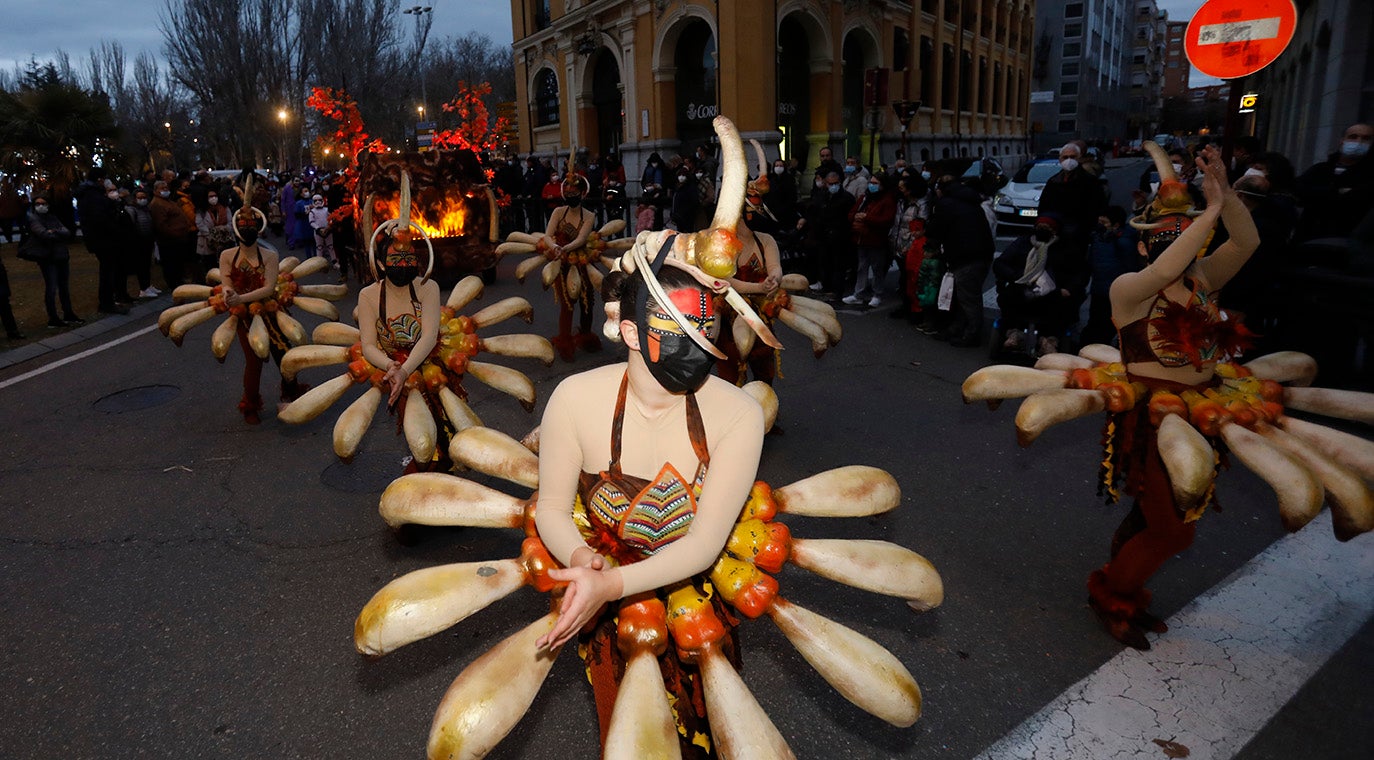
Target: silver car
(1018,203)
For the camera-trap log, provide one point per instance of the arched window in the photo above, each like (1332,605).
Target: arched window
(545,98)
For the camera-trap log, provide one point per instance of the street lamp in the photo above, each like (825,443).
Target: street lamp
(424,16)
(282,116)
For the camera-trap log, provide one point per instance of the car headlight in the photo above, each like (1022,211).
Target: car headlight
(1001,199)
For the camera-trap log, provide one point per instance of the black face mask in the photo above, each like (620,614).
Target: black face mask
(682,366)
(402,276)
(574,200)
(249,235)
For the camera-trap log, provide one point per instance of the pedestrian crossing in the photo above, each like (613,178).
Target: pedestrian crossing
(1231,659)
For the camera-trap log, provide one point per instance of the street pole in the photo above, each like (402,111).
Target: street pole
(1230,123)
(424,16)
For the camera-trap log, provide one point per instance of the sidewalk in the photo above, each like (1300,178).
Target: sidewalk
(26,299)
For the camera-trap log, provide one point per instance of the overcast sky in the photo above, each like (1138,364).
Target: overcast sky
(38,29)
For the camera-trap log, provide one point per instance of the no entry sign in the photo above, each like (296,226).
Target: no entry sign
(1229,39)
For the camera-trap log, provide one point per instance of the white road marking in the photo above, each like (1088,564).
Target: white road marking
(1231,659)
(75,357)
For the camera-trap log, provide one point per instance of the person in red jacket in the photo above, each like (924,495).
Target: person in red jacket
(871,219)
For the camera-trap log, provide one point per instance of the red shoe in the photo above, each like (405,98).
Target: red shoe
(250,408)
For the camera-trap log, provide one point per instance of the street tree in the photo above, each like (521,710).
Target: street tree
(52,129)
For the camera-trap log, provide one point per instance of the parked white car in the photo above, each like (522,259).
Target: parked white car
(1018,203)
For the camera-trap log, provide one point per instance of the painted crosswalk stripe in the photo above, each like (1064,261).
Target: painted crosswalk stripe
(1231,659)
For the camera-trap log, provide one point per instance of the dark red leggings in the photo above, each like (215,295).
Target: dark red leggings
(1153,530)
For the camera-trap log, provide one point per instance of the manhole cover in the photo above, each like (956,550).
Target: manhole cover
(134,399)
(369,472)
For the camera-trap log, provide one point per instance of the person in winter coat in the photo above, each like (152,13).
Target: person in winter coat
(908,239)
(1041,278)
(175,234)
(1074,196)
(825,228)
(317,216)
(97,206)
(687,202)
(871,220)
(1111,254)
(138,243)
(958,226)
(49,236)
(213,233)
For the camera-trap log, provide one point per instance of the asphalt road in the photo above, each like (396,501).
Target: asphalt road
(180,584)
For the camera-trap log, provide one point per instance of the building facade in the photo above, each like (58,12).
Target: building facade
(1081,71)
(1177,70)
(1147,71)
(641,76)
(1323,82)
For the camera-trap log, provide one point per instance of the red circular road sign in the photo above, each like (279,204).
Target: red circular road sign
(1228,39)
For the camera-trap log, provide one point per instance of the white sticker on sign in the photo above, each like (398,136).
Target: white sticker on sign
(1239,31)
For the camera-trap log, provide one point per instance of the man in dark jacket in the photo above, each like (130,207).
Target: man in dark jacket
(1338,193)
(1075,197)
(960,228)
(97,206)
(827,234)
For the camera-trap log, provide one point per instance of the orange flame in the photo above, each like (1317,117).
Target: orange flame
(439,212)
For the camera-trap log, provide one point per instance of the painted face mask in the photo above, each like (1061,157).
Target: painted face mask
(247,228)
(677,363)
(402,267)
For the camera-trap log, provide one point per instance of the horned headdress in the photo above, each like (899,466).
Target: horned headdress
(402,240)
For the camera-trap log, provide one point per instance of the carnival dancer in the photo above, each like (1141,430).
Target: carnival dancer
(569,226)
(647,497)
(1174,397)
(760,279)
(413,349)
(255,293)
(567,254)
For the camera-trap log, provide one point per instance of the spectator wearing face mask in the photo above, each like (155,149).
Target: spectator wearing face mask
(871,220)
(706,192)
(827,239)
(49,237)
(1111,254)
(138,243)
(684,213)
(1338,193)
(174,232)
(781,197)
(855,177)
(1041,278)
(318,219)
(213,232)
(1074,197)
(97,208)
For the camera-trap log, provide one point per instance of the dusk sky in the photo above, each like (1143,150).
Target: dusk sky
(39,29)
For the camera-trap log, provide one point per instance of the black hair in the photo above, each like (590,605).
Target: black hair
(1248,143)
(1279,170)
(1116,215)
(915,184)
(622,287)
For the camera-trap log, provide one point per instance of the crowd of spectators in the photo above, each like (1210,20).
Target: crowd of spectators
(846,232)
